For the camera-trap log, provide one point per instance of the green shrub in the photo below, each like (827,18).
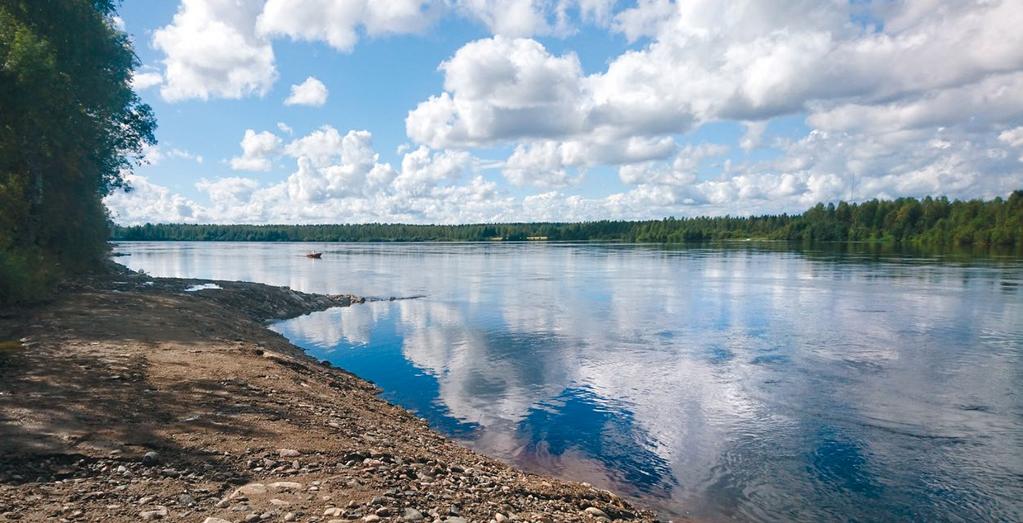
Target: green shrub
(25,278)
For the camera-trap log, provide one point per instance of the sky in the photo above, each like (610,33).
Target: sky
(471,111)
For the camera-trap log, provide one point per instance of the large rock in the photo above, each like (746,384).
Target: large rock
(159,512)
(285,486)
(252,489)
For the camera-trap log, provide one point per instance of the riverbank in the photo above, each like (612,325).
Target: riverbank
(131,398)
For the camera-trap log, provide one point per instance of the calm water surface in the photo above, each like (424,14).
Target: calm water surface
(745,383)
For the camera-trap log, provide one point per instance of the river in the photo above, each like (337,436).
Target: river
(740,381)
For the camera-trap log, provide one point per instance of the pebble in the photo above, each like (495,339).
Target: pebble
(595,512)
(332,511)
(412,514)
(159,512)
(215,520)
(151,458)
(288,453)
(290,516)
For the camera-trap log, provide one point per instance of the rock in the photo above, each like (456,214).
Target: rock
(412,514)
(455,519)
(595,512)
(500,517)
(151,458)
(145,500)
(285,486)
(186,500)
(251,517)
(290,516)
(371,518)
(215,520)
(159,512)
(383,512)
(288,453)
(249,490)
(332,511)
(280,503)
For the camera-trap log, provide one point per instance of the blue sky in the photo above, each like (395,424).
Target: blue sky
(455,111)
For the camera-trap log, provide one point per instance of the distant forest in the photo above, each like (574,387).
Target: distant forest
(931,221)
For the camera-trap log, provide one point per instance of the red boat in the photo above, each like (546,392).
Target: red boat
(316,255)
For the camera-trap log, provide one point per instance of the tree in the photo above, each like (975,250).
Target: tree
(70,129)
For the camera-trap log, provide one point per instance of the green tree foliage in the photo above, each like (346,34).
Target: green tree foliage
(931,221)
(70,127)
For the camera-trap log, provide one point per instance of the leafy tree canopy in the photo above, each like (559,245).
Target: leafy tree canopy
(70,128)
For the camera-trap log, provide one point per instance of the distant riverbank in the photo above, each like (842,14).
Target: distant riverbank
(928,221)
(131,397)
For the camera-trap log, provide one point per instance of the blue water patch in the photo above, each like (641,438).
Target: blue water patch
(580,421)
(383,364)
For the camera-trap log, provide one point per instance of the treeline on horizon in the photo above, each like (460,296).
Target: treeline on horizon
(930,221)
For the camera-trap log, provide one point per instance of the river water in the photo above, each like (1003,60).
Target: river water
(743,381)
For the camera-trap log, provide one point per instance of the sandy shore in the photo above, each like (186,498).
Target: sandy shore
(131,399)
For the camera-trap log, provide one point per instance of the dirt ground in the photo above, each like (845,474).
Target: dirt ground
(129,399)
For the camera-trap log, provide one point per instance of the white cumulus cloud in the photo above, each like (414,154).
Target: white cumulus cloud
(707,61)
(1013,137)
(212,50)
(257,150)
(145,80)
(310,92)
(338,22)
(501,89)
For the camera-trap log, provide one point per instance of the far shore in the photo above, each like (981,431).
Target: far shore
(128,398)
